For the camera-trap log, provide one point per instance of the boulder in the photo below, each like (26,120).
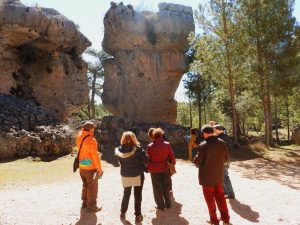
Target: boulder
(40,58)
(148,61)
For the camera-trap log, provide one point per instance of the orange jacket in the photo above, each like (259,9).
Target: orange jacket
(88,157)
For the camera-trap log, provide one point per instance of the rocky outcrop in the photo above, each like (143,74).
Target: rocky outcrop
(296,135)
(40,58)
(149,60)
(28,130)
(109,130)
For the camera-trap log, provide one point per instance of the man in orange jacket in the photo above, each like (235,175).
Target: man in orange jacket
(90,167)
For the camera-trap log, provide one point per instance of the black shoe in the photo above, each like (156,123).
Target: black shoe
(139,218)
(229,196)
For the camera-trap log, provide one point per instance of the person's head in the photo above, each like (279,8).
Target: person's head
(158,133)
(150,133)
(129,139)
(193,131)
(218,129)
(89,126)
(207,131)
(213,123)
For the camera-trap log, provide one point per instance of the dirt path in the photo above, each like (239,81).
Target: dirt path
(49,193)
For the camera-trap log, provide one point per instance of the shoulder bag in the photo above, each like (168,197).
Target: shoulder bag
(76,160)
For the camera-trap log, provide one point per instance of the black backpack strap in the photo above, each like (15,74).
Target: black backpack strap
(81,144)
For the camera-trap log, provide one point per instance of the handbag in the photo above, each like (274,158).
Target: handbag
(76,160)
(172,169)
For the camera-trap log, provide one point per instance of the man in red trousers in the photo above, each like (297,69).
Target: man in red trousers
(211,157)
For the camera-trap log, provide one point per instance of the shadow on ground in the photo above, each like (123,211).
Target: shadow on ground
(244,211)
(87,218)
(168,216)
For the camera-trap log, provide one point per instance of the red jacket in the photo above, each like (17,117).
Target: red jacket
(160,153)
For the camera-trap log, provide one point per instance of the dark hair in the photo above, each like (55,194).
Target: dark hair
(208,129)
(158,133)
(218,127)
(87,126)
(193,131)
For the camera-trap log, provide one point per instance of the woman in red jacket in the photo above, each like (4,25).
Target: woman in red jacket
(160,155)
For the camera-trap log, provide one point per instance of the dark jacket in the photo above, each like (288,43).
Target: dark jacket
(132,160)
(211,156)
(224,138)
(160,154)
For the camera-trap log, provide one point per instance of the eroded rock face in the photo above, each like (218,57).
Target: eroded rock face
(28,130)
(149,60)
(40,58)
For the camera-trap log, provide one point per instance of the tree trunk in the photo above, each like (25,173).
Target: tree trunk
(89,109)
(276,119)
(199,114)
(264,86)
(199,104)
(191,118)
(205,117)
(93,96)
(230,76)
(287,117)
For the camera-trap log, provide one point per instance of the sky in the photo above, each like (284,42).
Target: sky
(89,14)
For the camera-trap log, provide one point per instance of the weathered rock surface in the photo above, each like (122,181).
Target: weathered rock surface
(109,130)
(149,60)
(40,58)
(28,130)
(296,135)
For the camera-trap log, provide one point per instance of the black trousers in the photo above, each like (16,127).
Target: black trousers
(161,183)
(137,198)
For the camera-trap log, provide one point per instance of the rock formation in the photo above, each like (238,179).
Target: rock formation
(40,58)
(28,130)
(149,60)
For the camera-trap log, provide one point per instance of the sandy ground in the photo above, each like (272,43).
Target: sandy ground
(45,193)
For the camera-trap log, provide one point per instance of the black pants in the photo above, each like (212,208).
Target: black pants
(161,183)
(137,198)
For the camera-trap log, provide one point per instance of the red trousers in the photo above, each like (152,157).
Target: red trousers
(213,195)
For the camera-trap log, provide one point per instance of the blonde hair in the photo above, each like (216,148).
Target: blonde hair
(158,133)
(129,138)
(150,132)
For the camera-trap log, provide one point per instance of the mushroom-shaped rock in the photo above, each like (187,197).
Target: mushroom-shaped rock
(148,61)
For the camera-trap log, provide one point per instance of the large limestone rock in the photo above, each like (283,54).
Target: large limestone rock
(40,58)
(149,60)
